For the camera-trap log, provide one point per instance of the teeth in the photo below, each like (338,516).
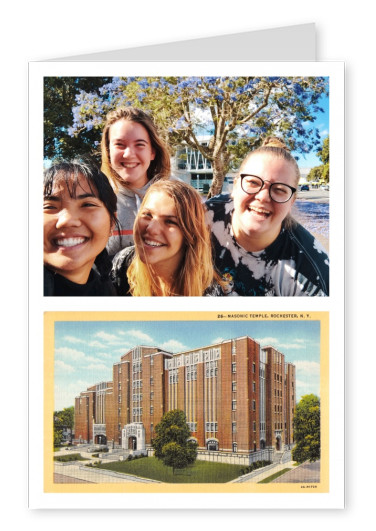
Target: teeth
(260,211)
(153,244)
(130,165)
(70,242)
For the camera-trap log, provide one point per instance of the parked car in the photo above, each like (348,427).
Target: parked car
(304,188)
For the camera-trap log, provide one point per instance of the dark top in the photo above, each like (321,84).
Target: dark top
(295,264)
(96,286)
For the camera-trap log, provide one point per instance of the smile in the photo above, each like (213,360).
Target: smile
(152,243)
(70,242)
(130,164)
(259,211)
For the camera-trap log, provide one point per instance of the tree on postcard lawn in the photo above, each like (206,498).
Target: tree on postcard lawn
(63,420)
(172,444)
(307,429)
(234,113)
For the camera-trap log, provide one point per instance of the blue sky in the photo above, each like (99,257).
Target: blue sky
(310,160)
(86,350)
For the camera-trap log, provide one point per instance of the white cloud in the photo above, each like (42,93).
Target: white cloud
(72,339)
(310,368)
(217,340)
(266,341)
(69,353)
(62,367)
(97,367)
(106,337)
(141,335)
(96,344)
(173,346)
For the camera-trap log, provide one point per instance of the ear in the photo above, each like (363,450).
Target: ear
(153,154)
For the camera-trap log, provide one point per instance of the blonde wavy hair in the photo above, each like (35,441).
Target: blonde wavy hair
(196,272)
(159,168)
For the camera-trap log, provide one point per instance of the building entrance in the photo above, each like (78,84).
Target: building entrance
(133,436)
(212,445)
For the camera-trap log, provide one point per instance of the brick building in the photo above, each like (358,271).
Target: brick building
(237,397)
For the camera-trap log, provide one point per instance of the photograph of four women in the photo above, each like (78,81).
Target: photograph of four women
(131,228)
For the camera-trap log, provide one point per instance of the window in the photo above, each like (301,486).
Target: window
(254,426)
(254,405)
(233,367)
(234,386)
(254,367)
(234,427)
(234,405)
(151,410)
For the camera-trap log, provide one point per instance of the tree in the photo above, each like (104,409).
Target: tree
(236,112)
(307,429)
(172,444)
(59,98)
(63,420)
(321,172)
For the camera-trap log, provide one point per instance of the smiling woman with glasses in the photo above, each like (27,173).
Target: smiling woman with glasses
(260,249)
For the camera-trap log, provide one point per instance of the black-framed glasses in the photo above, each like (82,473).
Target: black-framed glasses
(278,192)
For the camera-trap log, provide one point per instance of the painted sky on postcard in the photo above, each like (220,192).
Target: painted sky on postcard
(86,350)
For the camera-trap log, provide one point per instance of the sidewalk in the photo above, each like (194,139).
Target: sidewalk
(79,473)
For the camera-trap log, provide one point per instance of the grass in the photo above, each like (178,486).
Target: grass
(274,476)
(70,457)
(200,472)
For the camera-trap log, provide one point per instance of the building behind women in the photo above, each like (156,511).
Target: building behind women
(260,250)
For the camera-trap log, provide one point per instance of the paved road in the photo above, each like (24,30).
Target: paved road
(305,473)
(316,196)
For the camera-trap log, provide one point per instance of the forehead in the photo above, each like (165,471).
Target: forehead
(71,185)
(161,203)
(126,129)
(270,168)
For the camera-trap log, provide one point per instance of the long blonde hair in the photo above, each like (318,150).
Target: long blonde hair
(196,272)
(160,167)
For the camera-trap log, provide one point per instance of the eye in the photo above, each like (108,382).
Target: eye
(49,206)
(88,204)
(172,222)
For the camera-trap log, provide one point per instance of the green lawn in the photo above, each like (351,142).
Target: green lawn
(274,476)
(200,472)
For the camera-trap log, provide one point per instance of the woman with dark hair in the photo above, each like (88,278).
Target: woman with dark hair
(133,157)
(260,249)
(79,214)
(172,255)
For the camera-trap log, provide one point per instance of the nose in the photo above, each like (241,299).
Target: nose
(127,152)
(153,227)
(67,218)
(263,194)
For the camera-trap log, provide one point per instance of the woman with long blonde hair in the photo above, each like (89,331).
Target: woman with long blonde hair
(172,255)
